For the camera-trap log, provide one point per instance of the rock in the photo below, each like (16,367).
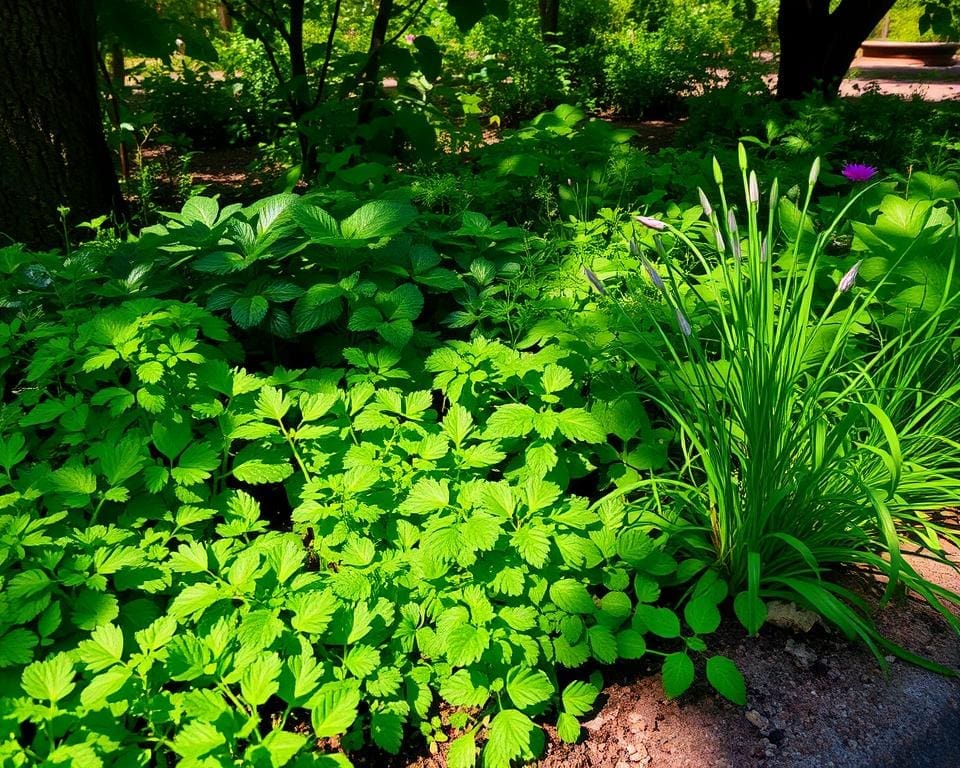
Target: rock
(758,721)
(790,616)
(803,657)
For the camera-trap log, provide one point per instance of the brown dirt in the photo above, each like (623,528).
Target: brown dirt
(814,701)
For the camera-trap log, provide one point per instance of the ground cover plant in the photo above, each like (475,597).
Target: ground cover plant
(219,560)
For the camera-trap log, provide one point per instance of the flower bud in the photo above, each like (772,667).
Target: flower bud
(684,324)
(654,275)
(595,281)
(705,203)
(742,156)
(814,172)
(717,173)
(846,282)
(754,189)
(651,223)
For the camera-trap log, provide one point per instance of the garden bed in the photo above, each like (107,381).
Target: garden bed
(813,700)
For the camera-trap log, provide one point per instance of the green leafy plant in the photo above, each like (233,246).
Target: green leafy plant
(813,437)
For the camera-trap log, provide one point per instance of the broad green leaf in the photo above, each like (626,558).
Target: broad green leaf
(259,680)
(257,472)
(556,378)
(603,644)
(510,737)
(568,728)
(197,739)
(195,464)
(533,544)
(259,628)
(195,599)
(528,687)
(103,649)
(376,219)
(426,496)
(248,311)
(101,687)
(49,680)
(751,611)
(16,647)
(511,420)
(90,609)
(572,596)
(273,404)
(466,644)
(333,709)
(660,621)
(283,746)
(171,438)
(723,675)
(630,644)
(312,611)
(578,424)
(678,673)
(386,729)
(463,751)
(702,615)
(578,698)
(75,479)
(361,660)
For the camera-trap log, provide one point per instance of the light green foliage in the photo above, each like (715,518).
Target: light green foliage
(198,553)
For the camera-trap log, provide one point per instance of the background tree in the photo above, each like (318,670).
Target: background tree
(818,45)
(52,147)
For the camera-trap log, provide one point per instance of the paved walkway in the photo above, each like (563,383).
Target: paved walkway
(931,83)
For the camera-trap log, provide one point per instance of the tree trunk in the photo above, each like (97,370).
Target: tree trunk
(223,17)
(549,18)
(371,72)
(52,149)
(817,46)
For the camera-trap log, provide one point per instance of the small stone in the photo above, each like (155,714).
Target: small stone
(758,721)
(890,659)
(777,735)
(789,616)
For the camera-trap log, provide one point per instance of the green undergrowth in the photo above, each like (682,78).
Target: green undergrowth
(345,472)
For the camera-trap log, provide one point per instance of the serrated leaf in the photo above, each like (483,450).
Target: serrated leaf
(678,673)
(466,644)
(426,496)
(509,737)
(273,404)
(197,739)
(533,544)
(91,609)
(248,311)
(578,698)
(103,649)
(333,709)
(510,420)
(603,645)
(259,680)
(49,680)
(195,599)
(376,219)
(283,746)
(630,644)
(386,729)
(723,675)
(313,611)
(16,647)
(528,687)
(101,687)
(257,472)
(572,596)
(361,660)
(463,751)
(580,425)
(568,728)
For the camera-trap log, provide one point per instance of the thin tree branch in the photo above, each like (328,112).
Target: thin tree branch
(327,54)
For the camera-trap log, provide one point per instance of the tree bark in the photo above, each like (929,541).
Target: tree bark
(52,148)
(817,46)
(223,17)
(371,72)
(549,18)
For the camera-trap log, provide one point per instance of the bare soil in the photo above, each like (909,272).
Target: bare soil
(814,700)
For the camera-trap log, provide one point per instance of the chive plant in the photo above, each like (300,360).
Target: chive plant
(808,445)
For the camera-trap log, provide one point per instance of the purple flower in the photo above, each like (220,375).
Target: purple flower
(595,281)
(652,223)
(653,275)
(858,172)
(410,38)
(683,323)
(846,282)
